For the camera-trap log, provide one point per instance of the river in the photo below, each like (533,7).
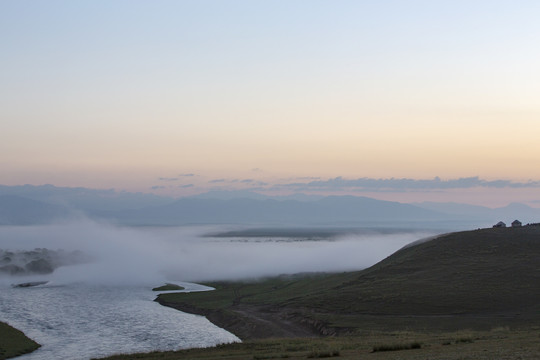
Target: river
(82,321)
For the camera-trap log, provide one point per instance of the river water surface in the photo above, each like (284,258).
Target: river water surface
(81,321)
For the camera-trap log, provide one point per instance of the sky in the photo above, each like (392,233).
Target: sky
(399,100)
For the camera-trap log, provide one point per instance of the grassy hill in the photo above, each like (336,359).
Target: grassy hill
(477,280)
(483,272)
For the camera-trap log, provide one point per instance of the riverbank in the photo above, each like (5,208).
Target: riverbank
(255,310)
(14,343)
(464,280)
(254,322)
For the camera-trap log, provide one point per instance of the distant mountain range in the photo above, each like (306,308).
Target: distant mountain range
(24,205)
(513,211)
(18,210)
(79,198)
(326,211)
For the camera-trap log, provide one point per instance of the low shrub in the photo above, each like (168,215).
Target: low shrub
(168,287)
(397,347)
(323,354)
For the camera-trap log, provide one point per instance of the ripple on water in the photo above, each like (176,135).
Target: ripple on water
(85,321)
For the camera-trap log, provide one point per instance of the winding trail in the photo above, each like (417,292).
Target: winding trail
(250,322)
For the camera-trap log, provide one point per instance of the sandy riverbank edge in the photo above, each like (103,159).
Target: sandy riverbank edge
(257,322)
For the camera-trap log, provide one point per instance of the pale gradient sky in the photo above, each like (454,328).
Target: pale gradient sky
(117,94)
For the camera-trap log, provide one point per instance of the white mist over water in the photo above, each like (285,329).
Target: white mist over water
(149,255)
(105,306)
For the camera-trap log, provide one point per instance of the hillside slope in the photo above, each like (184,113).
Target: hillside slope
(475,279)
(480,272)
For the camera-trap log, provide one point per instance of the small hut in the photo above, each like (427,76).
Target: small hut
(500,224)
(516,223)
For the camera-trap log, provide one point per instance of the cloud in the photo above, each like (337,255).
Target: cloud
(186,186)
(187,175)
(405,184)
(157,187)
(247,183)
(167,179)
(251,182)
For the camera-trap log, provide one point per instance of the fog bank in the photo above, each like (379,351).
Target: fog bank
(151,255)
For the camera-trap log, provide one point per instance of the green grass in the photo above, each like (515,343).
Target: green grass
(397,347)
(323,354)
(14,343)
(464,340)
(507,344)
(168,287)
(460,280)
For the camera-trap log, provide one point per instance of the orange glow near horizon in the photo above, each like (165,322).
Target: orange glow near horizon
(359,89)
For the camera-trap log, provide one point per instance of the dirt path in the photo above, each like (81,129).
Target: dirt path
(254,322)
(274,322)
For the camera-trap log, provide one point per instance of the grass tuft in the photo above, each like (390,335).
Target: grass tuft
(168,287)
(464,340)
(323,354)
(397,347)
(273,356)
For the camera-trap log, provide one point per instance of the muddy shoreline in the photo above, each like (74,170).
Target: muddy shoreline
(250,322)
